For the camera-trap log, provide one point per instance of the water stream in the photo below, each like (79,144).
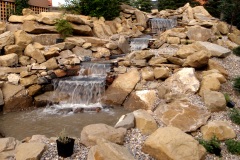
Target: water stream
(159,24)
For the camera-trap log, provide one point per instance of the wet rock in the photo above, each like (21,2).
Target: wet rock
(143,99)
(106,150)
(126,121)
(121,87)
(22,39)
(198,59)
(9,60)
(145,122)
(214,101)
(7,38)
(183,115)
(198,33)
(49,17)
(30,151)
(221,129)
(34,89)
(172,143)
(91,133)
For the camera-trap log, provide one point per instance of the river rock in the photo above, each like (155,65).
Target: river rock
(37,28)
(121,87)
(91,133)
(145,122)
(198,59)
(9,60)
(182,115)
(50,64)
(6,38)
(30,151)
(221,129)
(22,39)
(144,99)
(198,33)
(7,144)
(214,49)
(126,121)
(106,150)
(172,143)
(49,17)
(214,101)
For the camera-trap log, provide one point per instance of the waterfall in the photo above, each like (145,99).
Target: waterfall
(139,43)
(160,24)
(85,90)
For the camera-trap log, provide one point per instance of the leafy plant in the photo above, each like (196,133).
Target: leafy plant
(143,5)
(227,97)
(174,4)
(20,5)
(234,115)
(233,146)
(236,51)
(212,146)
(62,137)
(236,84)
(63,27)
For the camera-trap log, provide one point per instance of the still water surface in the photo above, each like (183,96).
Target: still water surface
(24,124)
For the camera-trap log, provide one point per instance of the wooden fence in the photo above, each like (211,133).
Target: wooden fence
(7,8)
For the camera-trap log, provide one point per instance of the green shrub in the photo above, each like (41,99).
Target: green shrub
(234,115)
(64,28)
(212,146)
(236,51)
(20,5)
(236,84)
(233,146)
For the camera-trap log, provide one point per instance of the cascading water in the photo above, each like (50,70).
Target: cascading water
(159,24)
(139,43)
(84,91)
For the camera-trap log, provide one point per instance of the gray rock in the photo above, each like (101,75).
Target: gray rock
(126,121)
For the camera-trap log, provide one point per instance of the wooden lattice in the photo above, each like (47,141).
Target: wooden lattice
(7,8)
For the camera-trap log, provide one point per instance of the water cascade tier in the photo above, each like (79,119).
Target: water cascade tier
(159,24)
(81,92)
(139,43)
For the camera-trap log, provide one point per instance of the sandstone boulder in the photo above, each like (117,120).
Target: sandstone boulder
(74,18)
(106,150)
(157,61)
(27,11)
(13,49)
(223,28)
(198,59)
(161,72)
(182,115)
(186,50)
(22,39)
(34,89)
(121,87)
(214,101)
(209,83)
(49,17)
(221,129)
(78,41)
(9,90)
(234,38)
(91,133)
(212,64)
(145,122)
(1,97)
(50,64)
(36,54)
(7,38)
(16,19)
(27,81)
(9,60)
(198,33)
(143,99)
(36,28)
(84,30)
(30,151)
(172,143)
(7,144)
(126,121)
(102,52)
(147,73)
(141,18)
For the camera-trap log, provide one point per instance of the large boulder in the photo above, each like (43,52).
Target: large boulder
(144,99)
(182,115)
(13,49)
(106,150)
(16,19)
(141,18)
(22,39)
(209,83)
(101,30)
(91,133)
(49,17)
(30,151)
(7,38)
(198,59)
(221,129)
(198,33)
(121,87)
(172,143)
(186,50)
(84,30)
(36,28)
(74,19)
(214,101)
(9,60)
(145,122)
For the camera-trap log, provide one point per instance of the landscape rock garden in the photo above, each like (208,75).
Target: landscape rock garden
(174,89)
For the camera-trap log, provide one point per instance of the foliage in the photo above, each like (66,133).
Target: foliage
(174,4)
(236,51)
(233,146)
(230,11)
(212,146)
(63,27)
(212,7)
(20,5)
(72,6)
(234,115)
(227,97)
(125,1)
(62,137)
(143,5)
(236,84)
